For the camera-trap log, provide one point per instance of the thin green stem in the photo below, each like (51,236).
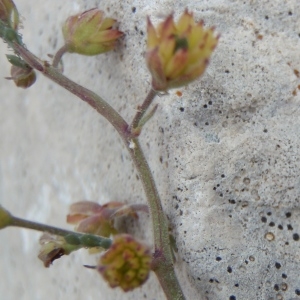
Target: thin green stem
(58,55)
(163,260)
(85,94)
(142,109)
(100,241)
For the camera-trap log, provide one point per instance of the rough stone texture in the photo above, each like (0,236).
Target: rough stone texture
(225,154)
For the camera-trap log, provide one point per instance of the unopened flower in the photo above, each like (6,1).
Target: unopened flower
(5,218)
(126,264)
(54,247)
(94,218)
(178,53)
(90,33)
(9,14)
(22,77)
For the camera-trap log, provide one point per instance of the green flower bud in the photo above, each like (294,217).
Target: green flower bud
(9,35)
(9,13)
(178,53)
(90,33)
(5,218)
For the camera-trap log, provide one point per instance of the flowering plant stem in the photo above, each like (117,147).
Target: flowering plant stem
(163,261)
(98,241)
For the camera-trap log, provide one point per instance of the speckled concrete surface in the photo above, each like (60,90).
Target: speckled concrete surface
(225,154)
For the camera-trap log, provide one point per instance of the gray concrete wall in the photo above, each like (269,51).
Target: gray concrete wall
(225,154)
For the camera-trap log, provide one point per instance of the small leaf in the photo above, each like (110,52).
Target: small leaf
(17,61)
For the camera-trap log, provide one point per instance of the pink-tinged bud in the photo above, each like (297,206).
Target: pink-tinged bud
(5,218)
(178,53)
(22,77)
(90,33)
(94,218)
(126,264)
(9,14)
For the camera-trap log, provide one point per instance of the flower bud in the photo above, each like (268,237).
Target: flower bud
(5,218)
(126,264)
(22,77)
(94,218)
(9,13)
(90,33)
(178,53)
(54,247)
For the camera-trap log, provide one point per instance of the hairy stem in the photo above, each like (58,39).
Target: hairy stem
(164,264)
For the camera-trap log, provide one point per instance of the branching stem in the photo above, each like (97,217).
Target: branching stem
(164,262)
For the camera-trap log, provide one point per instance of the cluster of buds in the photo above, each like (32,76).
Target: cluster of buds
(90,33)
(178,53)
(126,264)
(23,75)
